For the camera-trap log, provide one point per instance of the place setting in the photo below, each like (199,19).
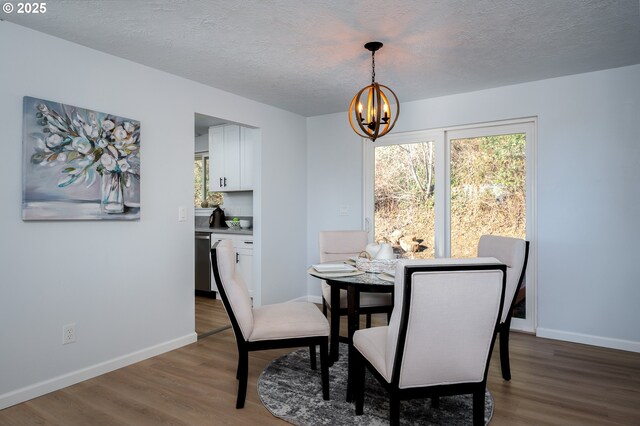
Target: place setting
(378,259)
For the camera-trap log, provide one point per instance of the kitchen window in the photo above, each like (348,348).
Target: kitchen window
(201,180)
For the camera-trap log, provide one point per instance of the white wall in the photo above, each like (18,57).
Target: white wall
(201,143)
(238,204)
(127,286)
(588,192)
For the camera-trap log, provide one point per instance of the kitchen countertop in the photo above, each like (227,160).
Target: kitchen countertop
(224,230)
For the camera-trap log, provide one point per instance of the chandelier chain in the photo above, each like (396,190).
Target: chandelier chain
(373,67)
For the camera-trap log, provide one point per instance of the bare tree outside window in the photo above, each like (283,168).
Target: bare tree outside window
(404,202)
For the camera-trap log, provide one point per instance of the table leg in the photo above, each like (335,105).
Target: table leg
(334,323)
(353,308)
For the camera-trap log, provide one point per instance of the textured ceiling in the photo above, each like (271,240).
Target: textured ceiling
(306,56)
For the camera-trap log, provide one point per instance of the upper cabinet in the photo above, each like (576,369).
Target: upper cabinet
(231,158)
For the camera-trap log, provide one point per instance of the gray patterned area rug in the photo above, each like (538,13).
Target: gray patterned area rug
(290,390)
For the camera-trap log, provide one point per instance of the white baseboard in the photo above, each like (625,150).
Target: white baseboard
(38,389)
(312,299)
(315,299)
(588,339)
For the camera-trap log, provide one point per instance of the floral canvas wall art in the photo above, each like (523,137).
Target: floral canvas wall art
(79,164)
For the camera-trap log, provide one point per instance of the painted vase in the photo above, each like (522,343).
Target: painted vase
(112,200)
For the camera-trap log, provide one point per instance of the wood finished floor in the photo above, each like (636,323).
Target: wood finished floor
(210,315)
(554,383)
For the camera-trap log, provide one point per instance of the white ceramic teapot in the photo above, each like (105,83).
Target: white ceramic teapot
(381,251)
(385,252)
(372,250)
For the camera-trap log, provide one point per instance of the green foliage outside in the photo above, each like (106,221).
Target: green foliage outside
(197,182)
(201,185)
(487,193)
(487,190)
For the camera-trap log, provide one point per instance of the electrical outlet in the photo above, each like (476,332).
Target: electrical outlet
(68,333)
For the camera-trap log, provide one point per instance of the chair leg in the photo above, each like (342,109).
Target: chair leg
(394,410)
(358,391)
(243,372)
(334,322)
(478,408)
(324,367)
(368,322)
(312,356)
(504,351)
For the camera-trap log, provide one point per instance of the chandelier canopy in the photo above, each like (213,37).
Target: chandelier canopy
(378,118)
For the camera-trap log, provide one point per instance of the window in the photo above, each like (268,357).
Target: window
(199,179)
(203,198)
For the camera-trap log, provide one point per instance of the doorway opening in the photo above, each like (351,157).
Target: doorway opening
(225,158)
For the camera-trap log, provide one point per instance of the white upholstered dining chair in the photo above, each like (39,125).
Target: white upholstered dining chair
(282,325)
(341,245)
(440,337)
(513,252)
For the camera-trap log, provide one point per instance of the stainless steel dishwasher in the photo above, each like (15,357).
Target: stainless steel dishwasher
(203,265)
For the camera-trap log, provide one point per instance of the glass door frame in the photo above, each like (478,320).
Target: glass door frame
(442,194)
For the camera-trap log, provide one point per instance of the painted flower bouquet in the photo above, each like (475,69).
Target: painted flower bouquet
(90,144)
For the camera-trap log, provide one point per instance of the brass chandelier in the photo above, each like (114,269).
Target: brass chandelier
(378,118)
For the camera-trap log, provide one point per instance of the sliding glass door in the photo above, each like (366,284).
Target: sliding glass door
(434,193)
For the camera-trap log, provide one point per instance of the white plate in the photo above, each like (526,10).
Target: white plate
(334,267)
(386,277)
(330,275)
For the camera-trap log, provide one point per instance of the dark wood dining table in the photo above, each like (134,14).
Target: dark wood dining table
(354,285)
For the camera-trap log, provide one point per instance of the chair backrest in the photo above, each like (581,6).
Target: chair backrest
(514,253)
(232,289)
(340,245)
(445,331)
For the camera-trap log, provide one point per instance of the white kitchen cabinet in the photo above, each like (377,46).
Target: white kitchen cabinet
(244,266)
(231,158)
(243,246)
